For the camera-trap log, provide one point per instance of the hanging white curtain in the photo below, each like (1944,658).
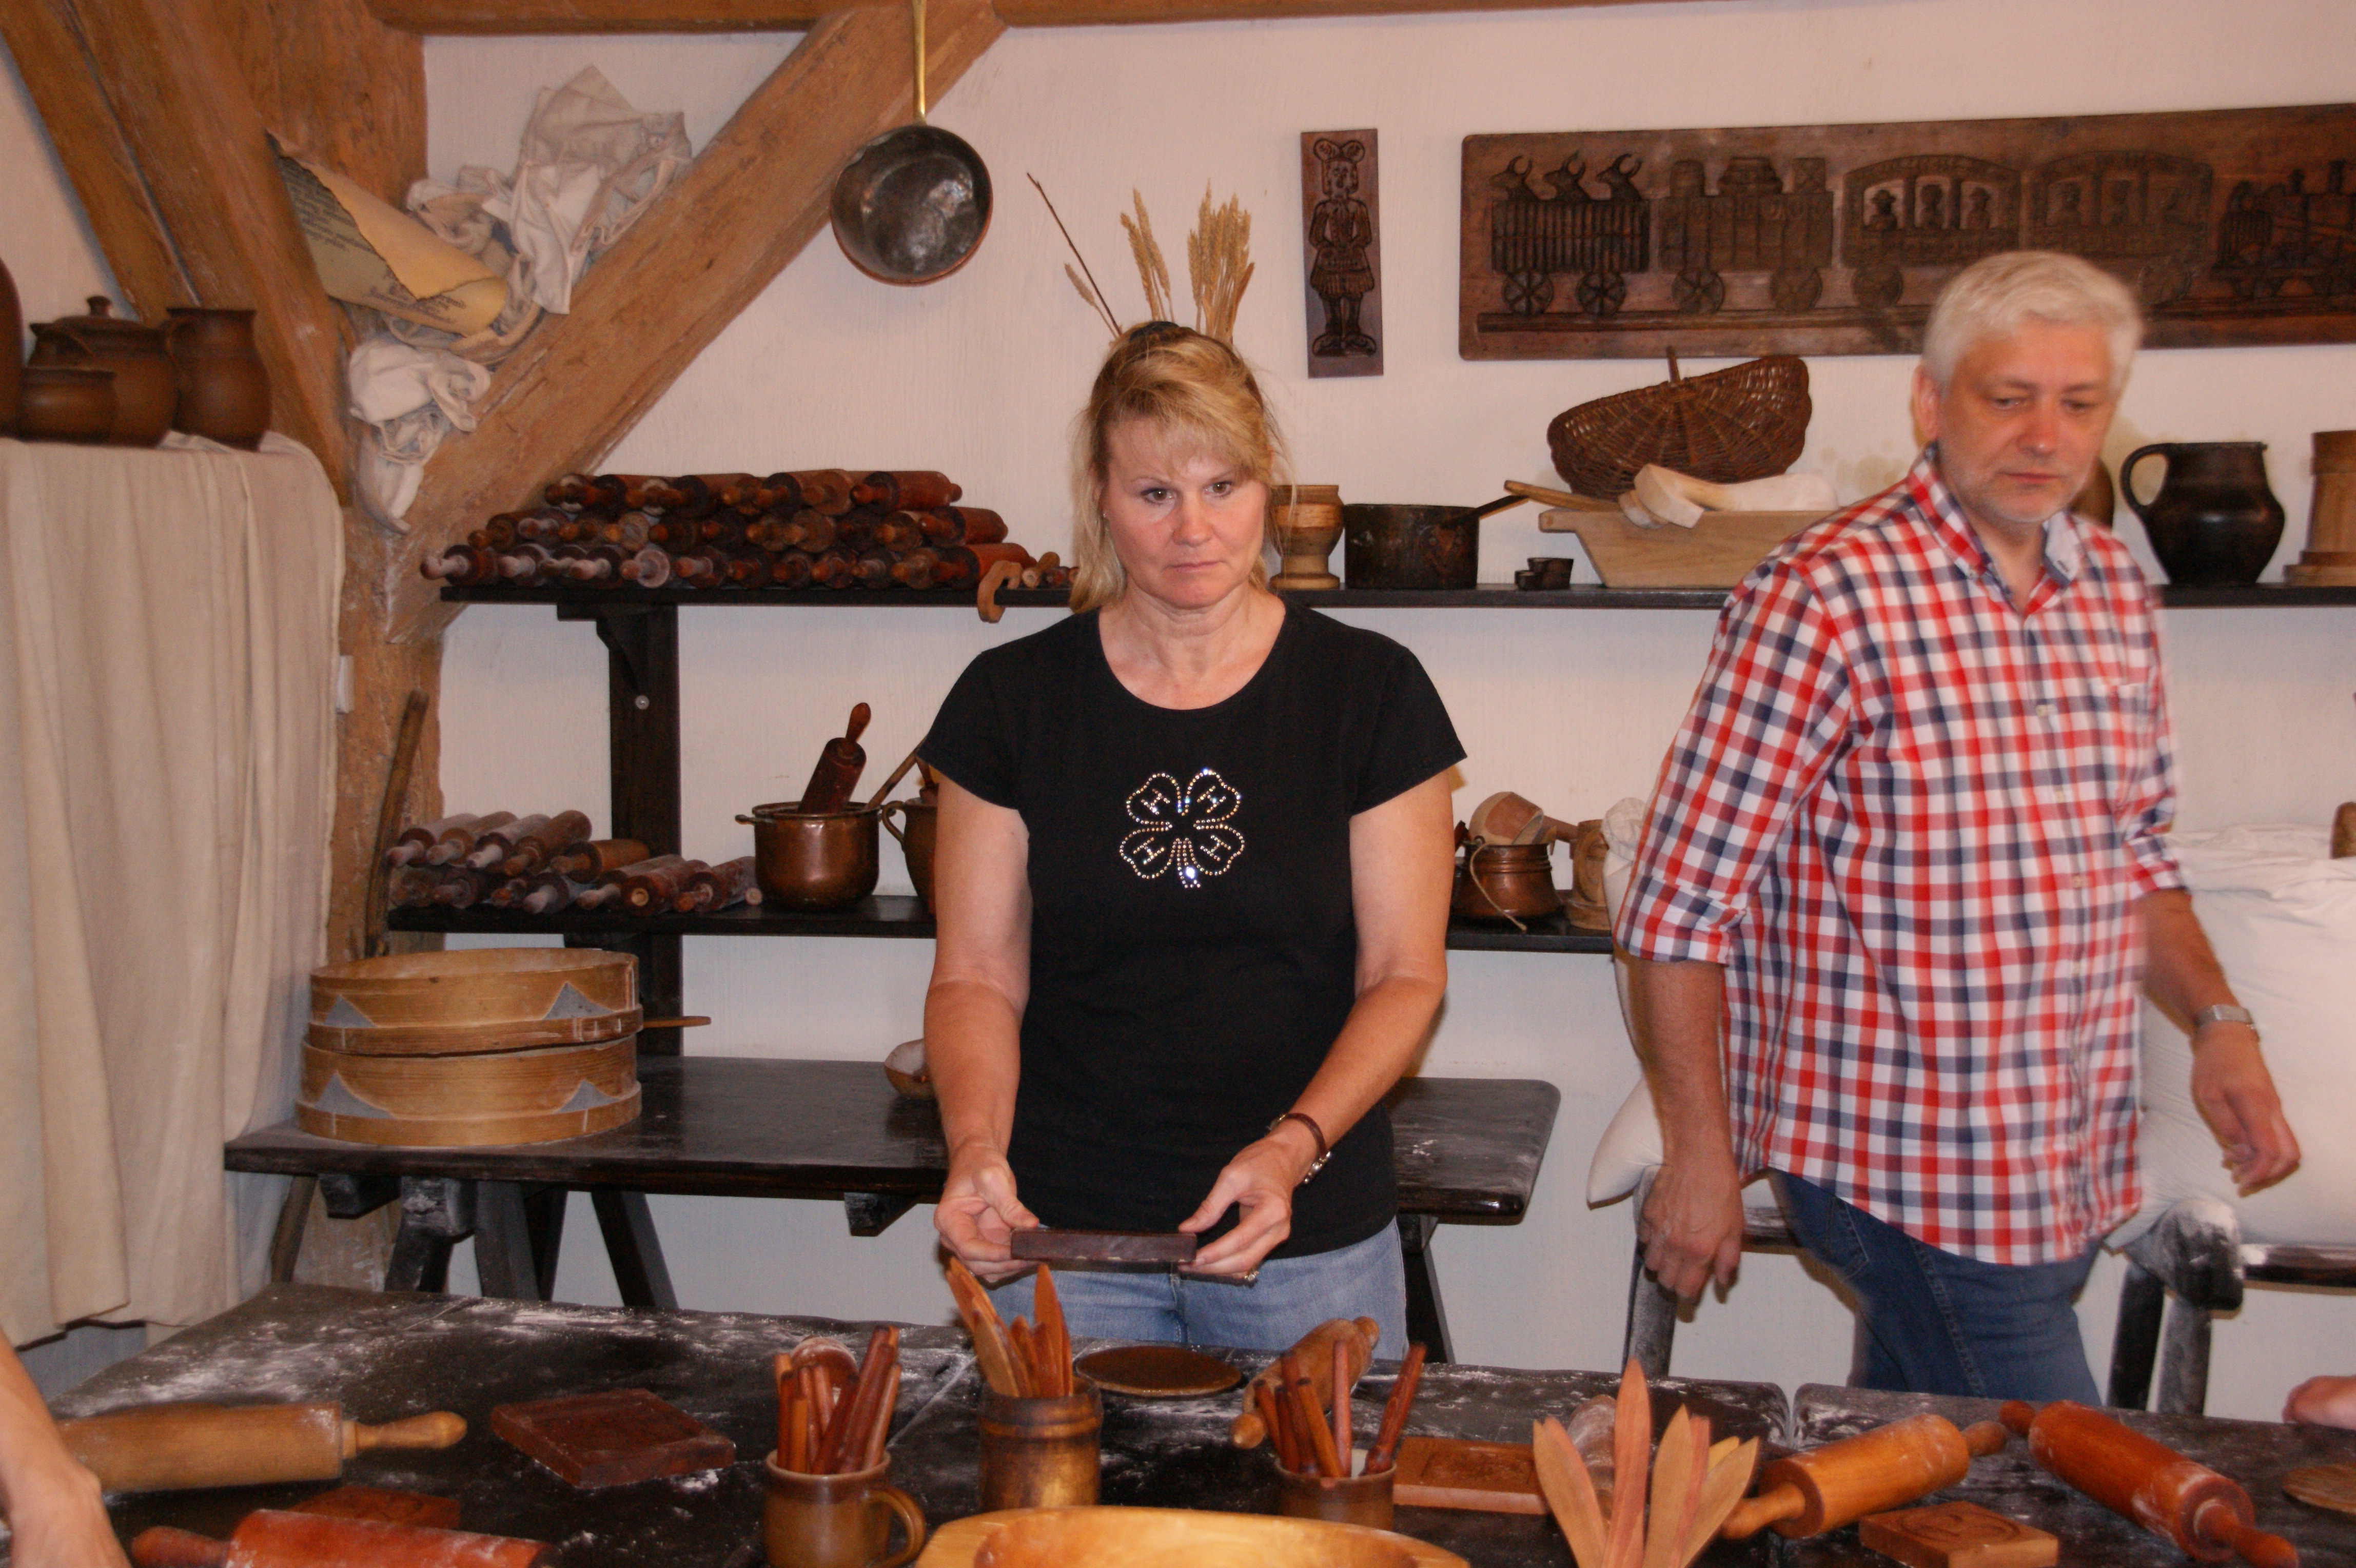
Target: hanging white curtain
(168,650)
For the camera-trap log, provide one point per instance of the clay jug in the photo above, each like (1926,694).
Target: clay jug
(12,353)
(2214,522)
(145,384)
(224,390)
(67,402)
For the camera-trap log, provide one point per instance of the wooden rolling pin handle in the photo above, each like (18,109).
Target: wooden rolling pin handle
(435,1429)
(2018,1415)
(1986,1437)
(2218,1524)
(161,1546)
(1750,1516)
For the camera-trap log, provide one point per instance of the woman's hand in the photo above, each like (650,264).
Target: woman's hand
(58,1520)
(979,1214)
(1258,1181)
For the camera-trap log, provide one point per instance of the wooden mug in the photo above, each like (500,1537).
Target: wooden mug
(1041,1452)
(1343,1500)
(837,1521)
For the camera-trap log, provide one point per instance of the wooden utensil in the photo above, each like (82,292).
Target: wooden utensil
(1957,1535)
(1395,1410)
(1570,1493)
(1840,1482)
(1458,1473)
(2330,1486)
(173,1447)
(991,1350)
(1054,1338)
(1043,1245)
(1632,1445)
(269,1538)
(1167,1538)
(839,768)
(1314,1348)
(2206,1514)
(612,1437)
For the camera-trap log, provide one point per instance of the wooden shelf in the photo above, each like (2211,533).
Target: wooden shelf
(891,915)
(1487,596)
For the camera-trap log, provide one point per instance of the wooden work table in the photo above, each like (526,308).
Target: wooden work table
(1468,1152)
(396,1354)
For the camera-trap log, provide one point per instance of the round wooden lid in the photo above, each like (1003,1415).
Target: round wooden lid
(1158,1371)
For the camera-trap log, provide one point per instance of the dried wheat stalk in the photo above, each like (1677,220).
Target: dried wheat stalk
(1152,270)
(1088,291)
(1218,264)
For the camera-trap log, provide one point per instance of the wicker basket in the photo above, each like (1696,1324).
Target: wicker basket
(1745,422)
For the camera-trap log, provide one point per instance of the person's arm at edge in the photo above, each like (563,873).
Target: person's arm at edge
(2230,1082)
(56,1515)
(1401,859)
(1692,1225)
(973,1020)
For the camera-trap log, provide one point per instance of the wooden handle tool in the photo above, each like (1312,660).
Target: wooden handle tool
(837,770)
(270,1539)
(1041,1245)
(1888,1468)
(173,1447)
(1315,1352)
(2207,1515)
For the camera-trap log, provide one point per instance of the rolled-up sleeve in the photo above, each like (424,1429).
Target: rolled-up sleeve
(2147,805)
(1768,719)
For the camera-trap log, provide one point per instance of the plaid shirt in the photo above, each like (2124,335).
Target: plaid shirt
(1913,824)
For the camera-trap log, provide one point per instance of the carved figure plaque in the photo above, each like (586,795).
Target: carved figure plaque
(2233,226)
(1341,212)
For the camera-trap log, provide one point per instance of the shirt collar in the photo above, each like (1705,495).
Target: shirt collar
(2065,547)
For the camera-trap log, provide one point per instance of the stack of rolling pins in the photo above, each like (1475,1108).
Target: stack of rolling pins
(454,1049)
(827,527)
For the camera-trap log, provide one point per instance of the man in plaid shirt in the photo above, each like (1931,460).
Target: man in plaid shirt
(1905,858)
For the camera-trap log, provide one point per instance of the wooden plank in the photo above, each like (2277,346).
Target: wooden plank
(515,17)
(1096,13)
(337,86)
(754,196)
(44,38)
(191,122)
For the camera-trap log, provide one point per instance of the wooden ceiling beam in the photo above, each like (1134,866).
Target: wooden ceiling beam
(517,17)
(336,86)
(757,193)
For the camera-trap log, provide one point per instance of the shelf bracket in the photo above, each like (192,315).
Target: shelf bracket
(871,1213)
(626,632)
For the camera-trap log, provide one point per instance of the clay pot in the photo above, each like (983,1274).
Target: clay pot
(147,386)
(2214,522)
(224,390)
(915,840)
(12,353)
(826,860)
(67,402)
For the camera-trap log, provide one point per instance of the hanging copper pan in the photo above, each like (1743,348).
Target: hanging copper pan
(912,203)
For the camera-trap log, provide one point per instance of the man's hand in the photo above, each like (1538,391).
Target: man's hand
(2323,1401)
(979,1214)
(1692,1226)
(1259,1184)
(2236,1097)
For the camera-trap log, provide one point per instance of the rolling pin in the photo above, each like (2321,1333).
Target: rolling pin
(2204,1513)
(837,770)
(173,1447)
(1888,1468)
(269,1539)
(1316,1352)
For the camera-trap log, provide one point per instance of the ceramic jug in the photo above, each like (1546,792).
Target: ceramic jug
(145,383)
(224,390)
(2214,522)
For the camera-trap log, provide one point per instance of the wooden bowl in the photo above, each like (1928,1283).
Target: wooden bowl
(480,998)
(1169,1538)
(1717,552)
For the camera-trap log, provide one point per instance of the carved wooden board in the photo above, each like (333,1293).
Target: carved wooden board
(1458,1473)
(1958,1535)
(1340,219)
(2233,226)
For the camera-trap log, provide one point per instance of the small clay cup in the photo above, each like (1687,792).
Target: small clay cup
(67,402)
(224,389)
(1041,1452)
(915,840)
(837,1521)
(1353,1500)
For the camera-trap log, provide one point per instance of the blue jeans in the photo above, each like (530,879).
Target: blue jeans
(1935,1323)
(1367,1279)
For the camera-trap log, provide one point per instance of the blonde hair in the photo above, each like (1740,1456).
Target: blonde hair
(1996,296)
(1198,393)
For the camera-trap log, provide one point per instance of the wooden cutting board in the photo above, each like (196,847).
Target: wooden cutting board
(1454,1473)
(613,1437)
(1957,1535)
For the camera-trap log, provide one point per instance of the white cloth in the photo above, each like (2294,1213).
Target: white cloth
(2282,915)
(409,398)
(167,650)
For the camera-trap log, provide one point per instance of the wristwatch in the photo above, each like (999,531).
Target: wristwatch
(1324,1153)
(2223,1013)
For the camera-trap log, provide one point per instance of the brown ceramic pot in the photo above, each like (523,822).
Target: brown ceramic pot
(67,402)
(922,819)
(1507,882)
(2215,520)
(12,353)
(146,384)
(224,390)
(837,1521)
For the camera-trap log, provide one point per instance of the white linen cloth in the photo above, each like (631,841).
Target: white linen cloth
(168,653)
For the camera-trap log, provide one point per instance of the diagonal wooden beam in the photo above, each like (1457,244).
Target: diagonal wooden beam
(506,17)
(754,196)
(337,85)
(189,121)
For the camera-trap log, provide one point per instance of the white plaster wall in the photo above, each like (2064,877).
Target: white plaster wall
(43,239)
(979,374)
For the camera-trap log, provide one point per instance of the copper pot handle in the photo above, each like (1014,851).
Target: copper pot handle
(1473,872)
(885,816)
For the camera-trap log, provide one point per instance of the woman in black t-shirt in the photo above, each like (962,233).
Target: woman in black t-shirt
(1193,884)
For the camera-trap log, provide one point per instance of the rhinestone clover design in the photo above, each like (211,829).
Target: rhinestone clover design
(1183,827)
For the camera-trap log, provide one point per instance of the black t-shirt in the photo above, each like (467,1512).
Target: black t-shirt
(1193,947)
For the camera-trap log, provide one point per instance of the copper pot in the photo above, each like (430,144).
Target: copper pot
(814,861)
(67,402)
(1505,882)
(224,390)
(147,387)
(916,842)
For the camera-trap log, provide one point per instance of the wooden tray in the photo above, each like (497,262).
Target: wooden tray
(1170,1538)
(455,1101)
(613,1437)
(1717,552)
(480,998)
(1455,1473)
(1158,1371)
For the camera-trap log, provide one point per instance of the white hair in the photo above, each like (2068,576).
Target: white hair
(1996,295)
